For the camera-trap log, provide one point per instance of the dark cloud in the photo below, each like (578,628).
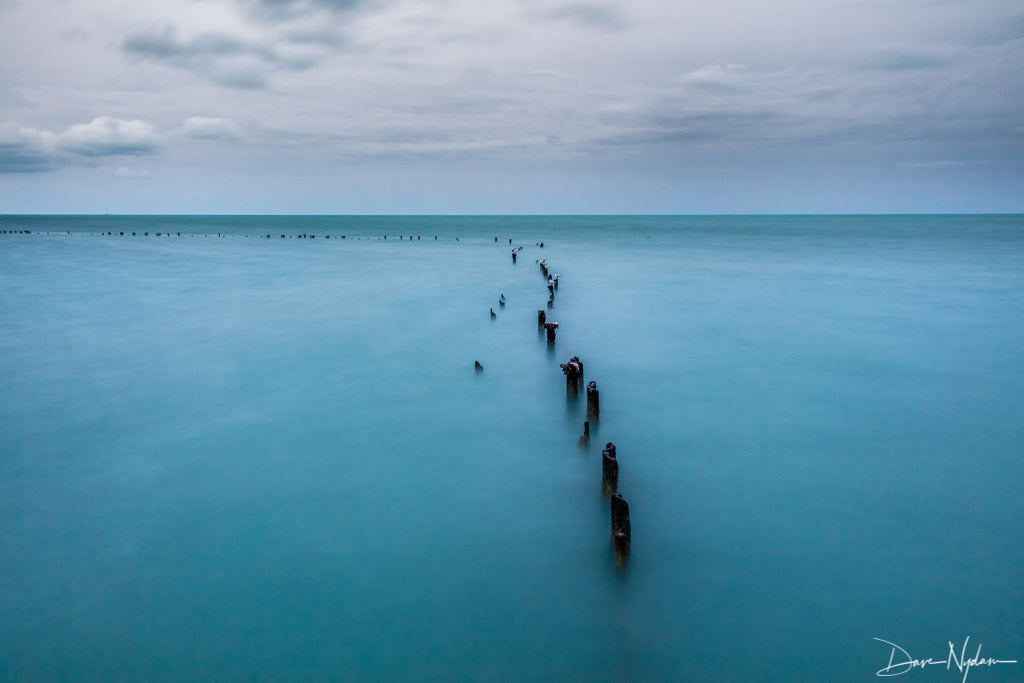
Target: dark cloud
(164,44)
(220,57)
(217,56)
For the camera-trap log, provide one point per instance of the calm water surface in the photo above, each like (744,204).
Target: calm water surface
(232,457)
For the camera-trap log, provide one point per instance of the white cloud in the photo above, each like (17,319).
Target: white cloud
(205,128)
(107,136)
(129,172)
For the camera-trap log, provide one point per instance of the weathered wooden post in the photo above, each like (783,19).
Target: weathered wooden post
(593,401)
(541,318)
(620,528)
(493,314)
(513,256)
(609,470)
(572,371)
(551,327)
(477,366)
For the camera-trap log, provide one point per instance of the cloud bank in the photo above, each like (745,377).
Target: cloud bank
(651,89)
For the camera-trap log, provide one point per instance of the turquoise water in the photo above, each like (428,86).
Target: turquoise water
(232,457)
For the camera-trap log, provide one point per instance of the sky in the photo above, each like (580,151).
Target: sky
(523,107)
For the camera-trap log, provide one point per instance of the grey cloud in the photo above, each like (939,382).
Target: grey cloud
(590,15)
(903,60)
(206,128)
(222,58)
(276,10)
(25,150)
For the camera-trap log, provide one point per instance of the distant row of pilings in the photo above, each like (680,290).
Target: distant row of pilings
(165,233)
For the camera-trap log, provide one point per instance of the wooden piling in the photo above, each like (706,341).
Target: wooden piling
(609,470)
(593,401)
(621,535)
(572,371)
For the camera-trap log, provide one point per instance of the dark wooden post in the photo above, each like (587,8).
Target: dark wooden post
(609,470)
(551,327)
(572,371)
(593,401)
(620,528)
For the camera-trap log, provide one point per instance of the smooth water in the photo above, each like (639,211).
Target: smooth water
(232,457)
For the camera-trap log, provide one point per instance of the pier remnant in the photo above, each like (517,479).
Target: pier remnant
(573,375)
(551,327)
(541,318)
(620,528)
(477,366)
(513,256)
(609,470)
(593,401)
(493,314)
(585,437)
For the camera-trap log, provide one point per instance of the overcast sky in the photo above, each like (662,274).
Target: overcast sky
(528,106)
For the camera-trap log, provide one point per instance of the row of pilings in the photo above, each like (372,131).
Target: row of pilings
(574,379)
(169,233)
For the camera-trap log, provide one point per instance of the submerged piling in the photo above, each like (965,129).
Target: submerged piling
(541,318)
(584,439)
(551,327)
(513,256)
(609,470)
(477,366)
(493,314)
(593,401)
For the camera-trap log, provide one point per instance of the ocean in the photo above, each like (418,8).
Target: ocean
(249,453)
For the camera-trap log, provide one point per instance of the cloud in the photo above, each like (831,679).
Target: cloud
(25,150)
(590,15)
(134,173)
(28,150)
(227,59)
(292,8)
(204,128)
(106,136)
